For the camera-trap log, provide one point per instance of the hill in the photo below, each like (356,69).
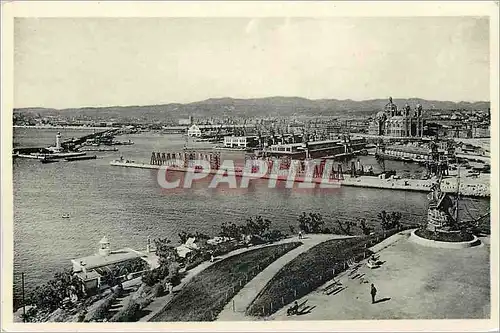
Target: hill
(254,107)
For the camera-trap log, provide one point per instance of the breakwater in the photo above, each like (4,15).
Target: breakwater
(468,187)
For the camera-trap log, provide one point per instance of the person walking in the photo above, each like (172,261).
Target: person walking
(373,292)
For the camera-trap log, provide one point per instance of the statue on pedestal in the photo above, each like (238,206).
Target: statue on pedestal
(441,209)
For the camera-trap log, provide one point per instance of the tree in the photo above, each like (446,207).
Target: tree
(311,223)
(274,235)
(395,219)
(256,226)
(50,295)
(150,278)
(346,227)
(389,220)
(366,229)
(304,222)
(384,219)
(230,230)
(166,253)
(167,258)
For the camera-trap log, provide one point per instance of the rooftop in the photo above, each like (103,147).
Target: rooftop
(114,257)
(87,276)
(409,149)
(241,137)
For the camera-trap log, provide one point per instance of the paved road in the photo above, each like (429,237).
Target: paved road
(247,294)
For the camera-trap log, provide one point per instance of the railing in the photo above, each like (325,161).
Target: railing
(335,269)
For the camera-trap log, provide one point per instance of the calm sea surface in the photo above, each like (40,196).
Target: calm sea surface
(127,206)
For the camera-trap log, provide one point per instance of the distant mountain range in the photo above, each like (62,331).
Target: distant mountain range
(254,107)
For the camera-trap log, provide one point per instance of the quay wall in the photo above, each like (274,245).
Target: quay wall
(477,188)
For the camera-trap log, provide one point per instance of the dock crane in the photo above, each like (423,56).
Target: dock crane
(244,131)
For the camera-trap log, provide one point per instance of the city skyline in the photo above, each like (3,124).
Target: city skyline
(135,61)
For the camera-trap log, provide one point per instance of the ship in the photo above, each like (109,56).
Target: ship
(80,158)
(47,159)
(331,149)
(100,149)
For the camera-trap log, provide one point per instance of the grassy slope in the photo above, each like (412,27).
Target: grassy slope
(306,272)
(206,295)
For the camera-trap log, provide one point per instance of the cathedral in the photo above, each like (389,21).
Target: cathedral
(399,123)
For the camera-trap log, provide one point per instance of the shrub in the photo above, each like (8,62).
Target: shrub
(144,301)
(345,228)
(31,314)
(227,247)
(102,310)
(274,235)
(389,220)
(366,229)
(81,316)
(158,290)
(311,223)
(196,260)
(150,278)
(129,313)
(50,295)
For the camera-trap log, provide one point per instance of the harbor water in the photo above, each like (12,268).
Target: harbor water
(128,206)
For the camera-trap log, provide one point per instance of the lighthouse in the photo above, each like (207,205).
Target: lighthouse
(104,247)
(58,141)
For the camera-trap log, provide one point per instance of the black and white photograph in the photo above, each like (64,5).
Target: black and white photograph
(280,167)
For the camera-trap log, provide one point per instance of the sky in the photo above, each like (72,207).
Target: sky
(76,62)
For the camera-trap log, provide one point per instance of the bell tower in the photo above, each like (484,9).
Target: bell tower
(391,109)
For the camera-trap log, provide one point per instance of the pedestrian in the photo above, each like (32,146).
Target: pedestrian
(170,288)
(374,293)
(300,234)
(212,258)
(167,286)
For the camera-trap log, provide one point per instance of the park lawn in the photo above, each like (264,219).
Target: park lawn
(307,272)
(204,297)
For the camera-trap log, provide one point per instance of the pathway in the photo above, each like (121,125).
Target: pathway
(159,303)
(414,282)
(235,309)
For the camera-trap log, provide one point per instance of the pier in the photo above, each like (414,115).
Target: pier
(479,187)
(62,149)
(277,165)
(73,143)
